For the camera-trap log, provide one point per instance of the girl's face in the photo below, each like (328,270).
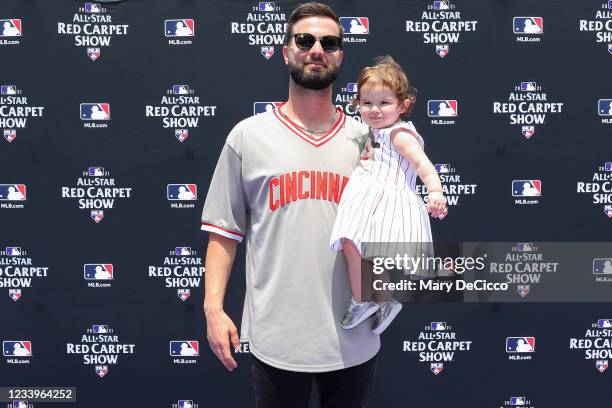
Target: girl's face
(379,106)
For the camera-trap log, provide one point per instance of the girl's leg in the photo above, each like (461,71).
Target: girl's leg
(353,261)
(383,295)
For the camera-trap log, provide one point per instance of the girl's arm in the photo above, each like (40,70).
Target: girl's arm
(407,144)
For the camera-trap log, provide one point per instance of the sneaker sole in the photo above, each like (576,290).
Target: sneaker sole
(361,319)
(394,311)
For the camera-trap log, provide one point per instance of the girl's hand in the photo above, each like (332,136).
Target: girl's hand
(436,204)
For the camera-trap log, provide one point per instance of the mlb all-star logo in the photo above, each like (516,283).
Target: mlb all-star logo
(184,294)
(528,131)
(610,48)
(181,134)
(97,215)
(601,365)
(523,290)
(10,135)
(15,294)
(267,51)
(442,50)
(101,370)
(437,368)
(93,53)
(608,210)
(441,24)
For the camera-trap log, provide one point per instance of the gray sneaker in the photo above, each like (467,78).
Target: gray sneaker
(357,312)
(385,315)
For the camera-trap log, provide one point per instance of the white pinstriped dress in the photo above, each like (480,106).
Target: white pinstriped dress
(379,203)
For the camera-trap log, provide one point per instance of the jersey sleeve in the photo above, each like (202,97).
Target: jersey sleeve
(225,208)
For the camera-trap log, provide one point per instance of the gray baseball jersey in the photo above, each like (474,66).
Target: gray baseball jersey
(278,188)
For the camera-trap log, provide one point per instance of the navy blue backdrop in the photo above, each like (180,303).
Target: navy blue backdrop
(63,60)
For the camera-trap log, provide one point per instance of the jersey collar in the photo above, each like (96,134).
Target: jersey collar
(316,142)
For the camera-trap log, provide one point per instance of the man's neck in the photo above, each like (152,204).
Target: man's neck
(310,108)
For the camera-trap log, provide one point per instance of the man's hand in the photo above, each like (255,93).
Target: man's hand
(220,331)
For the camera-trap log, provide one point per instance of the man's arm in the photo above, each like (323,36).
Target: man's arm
(220,256)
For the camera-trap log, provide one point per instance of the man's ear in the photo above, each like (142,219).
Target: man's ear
(286,54)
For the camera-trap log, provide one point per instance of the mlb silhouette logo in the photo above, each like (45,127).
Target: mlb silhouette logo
(604,323)
(13,251)
(95,111)
(13,192)
(355,25)
(95,171)
(17,348)
(267,51)
(186,403)
(610,4)
(101,370)
(98,271)
(520,344)
(437,368)
(266,6)
(93,53)
(10,27)
(183,294)
(442,50)
(438,326)
(441,5)
(352,87)
(601,365)
(97,215)
(261,107)
(610,48)
(608,166)
(100,328)
(517,401)
(184,348)
(184,27)
(442,168)
(528,131)
(180,89)
(522,290)
(442,108)
(21,404)
(526,188)
(15,294)
(92,8)
(602,266)
(182,192)
(8,90)
(528,25)
(608,210)
(181,134)
(528,86)
(10,135)
(182,251)
(604,107)
(524,247)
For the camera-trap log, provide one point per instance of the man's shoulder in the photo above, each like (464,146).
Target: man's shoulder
(355,129)
(356,125)
(256,121)
(251,124)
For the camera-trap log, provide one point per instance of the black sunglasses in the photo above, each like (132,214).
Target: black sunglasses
(329,43)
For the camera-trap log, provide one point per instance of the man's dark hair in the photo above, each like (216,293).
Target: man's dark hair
(311,9)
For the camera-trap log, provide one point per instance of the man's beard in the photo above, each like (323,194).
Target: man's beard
(315,80)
